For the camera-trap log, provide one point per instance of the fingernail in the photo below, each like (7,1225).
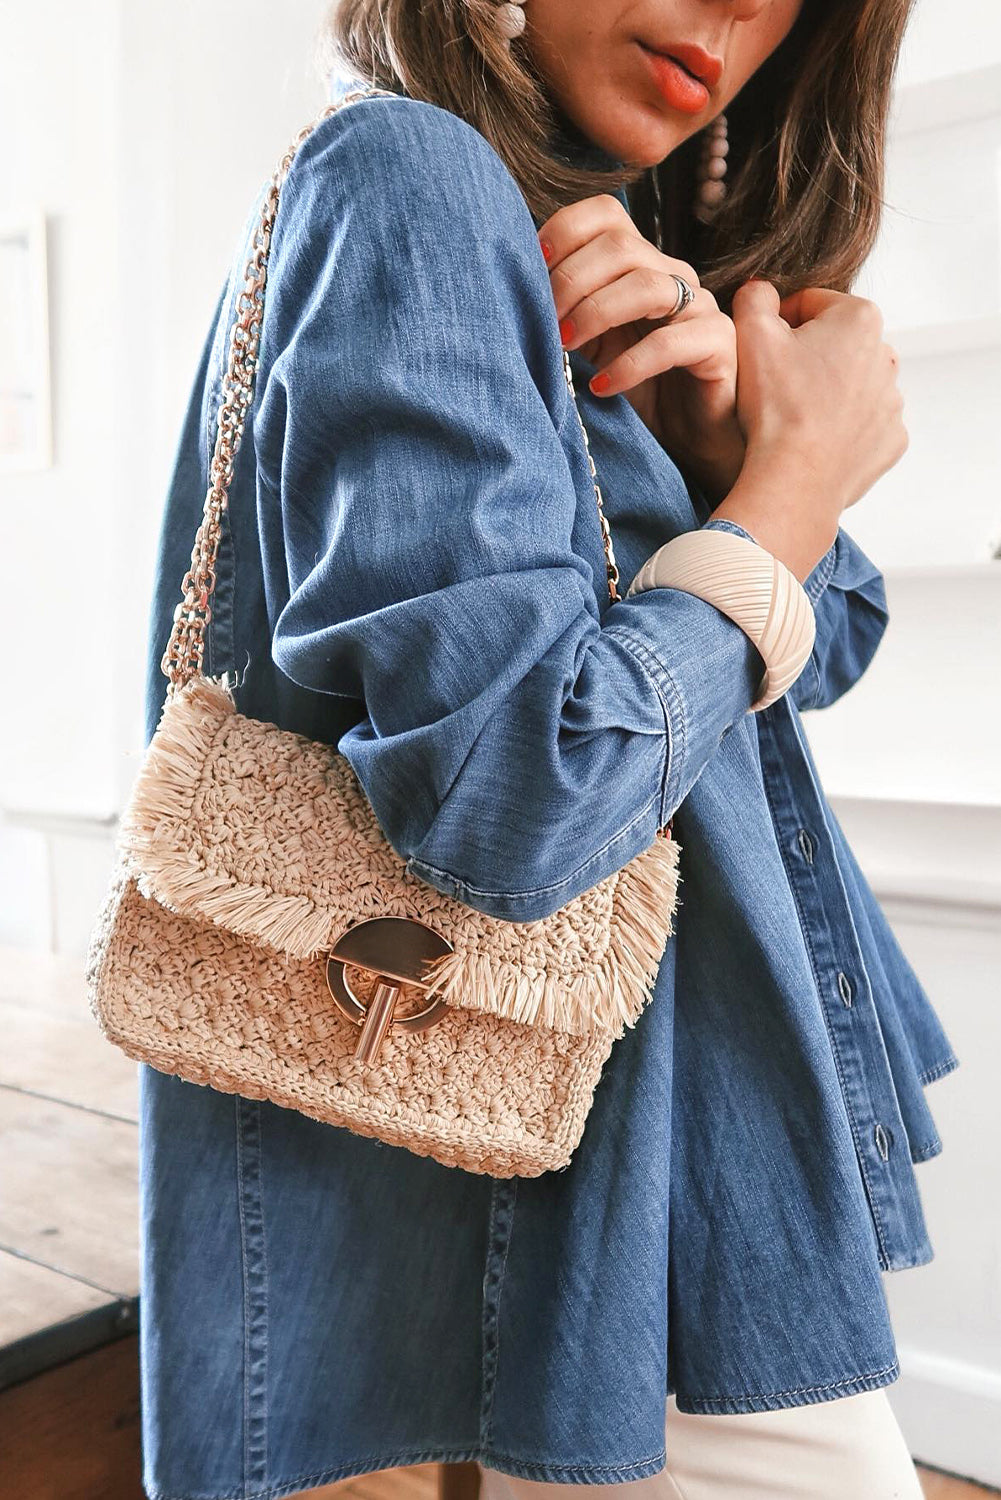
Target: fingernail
(547,249)
(600,382)
(567,330)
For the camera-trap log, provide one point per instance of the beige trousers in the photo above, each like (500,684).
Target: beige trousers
(847,1449)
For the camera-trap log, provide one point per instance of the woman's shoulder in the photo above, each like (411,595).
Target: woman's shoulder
(396,156)
(400,224)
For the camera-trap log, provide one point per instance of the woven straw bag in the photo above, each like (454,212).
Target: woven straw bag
(251,878)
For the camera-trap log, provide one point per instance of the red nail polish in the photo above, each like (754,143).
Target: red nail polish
(547,249)
(601,382)
(566,330)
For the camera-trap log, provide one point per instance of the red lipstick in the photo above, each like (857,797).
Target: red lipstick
(685,73)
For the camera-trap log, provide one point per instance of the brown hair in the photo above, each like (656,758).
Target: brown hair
(807,132)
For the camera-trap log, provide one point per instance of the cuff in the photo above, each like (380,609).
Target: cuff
(820,576)
(705,669)
(815,581)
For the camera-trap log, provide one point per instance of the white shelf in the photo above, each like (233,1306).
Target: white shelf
(958,336)
(944,573)
(948,100)
(937,853)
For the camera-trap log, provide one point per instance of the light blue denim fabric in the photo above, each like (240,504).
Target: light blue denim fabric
(412,569)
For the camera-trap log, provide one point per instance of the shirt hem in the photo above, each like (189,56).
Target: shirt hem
(805,1395)
(544,1472)
(376,1463)
(938,1070)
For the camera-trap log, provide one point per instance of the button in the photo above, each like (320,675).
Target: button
(806,845)
(882,1141)
(844,985)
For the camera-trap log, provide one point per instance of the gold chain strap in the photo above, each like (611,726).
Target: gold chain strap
(611,566)
(185,650)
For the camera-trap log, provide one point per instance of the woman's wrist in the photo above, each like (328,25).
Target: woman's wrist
(775,499)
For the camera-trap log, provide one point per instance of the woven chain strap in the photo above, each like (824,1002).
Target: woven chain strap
(185,650)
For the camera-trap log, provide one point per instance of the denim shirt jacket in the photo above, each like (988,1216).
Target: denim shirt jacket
(412,570)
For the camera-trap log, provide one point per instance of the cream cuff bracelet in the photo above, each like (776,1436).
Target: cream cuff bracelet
(748,583)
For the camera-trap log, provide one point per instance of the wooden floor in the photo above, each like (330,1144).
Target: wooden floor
(68,1142)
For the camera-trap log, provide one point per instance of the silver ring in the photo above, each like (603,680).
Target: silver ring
(685,296)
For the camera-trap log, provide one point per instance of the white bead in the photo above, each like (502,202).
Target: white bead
(711,170)
(712,193)
(510,20)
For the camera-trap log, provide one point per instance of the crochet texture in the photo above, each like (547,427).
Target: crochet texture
(246,850)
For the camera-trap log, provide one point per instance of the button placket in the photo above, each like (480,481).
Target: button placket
(858,1048)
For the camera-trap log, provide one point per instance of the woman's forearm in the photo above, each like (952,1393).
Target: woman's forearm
(779,500)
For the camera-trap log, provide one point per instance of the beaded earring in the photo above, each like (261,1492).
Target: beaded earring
(709,175)
(711,170)
(510,20)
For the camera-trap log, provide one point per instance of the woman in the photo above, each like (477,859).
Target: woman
(412,569)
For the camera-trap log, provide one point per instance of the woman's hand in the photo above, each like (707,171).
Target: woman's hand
(817,381)
(821,412)
(613,290)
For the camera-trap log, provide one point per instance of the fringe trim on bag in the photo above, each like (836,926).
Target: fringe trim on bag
(615,996)
(610,996)
(164,791)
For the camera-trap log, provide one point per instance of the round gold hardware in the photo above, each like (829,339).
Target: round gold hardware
(397,950)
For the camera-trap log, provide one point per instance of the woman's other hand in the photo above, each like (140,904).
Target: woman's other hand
(613,291)
(820,410)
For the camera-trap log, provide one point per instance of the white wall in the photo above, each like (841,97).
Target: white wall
(910,755)
(144,133)
(58,124)
(943,905)
(945,36)
(947,1315)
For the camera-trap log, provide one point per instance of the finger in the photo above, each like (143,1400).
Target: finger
(644,293)
(611,254)
(808,302)
(608,257)
(575,223)
(754,298)
(702,346)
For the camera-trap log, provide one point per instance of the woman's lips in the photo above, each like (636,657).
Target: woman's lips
(680,89)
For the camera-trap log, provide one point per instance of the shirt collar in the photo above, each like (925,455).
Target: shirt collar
(571,142)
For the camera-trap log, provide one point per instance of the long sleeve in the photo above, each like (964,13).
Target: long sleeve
(849,601)
(848,595)
(522,738)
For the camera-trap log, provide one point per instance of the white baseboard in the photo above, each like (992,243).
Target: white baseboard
(950,1413)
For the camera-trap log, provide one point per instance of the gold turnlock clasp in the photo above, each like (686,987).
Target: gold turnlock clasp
(397,950)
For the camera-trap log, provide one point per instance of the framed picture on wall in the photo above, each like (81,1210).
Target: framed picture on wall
(25,390)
